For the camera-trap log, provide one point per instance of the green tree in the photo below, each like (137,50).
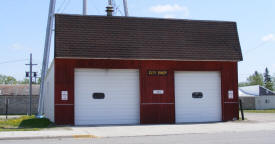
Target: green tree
(7,79)
(256,79)
(24,81)
(268,83)
(242,84)
(39,81)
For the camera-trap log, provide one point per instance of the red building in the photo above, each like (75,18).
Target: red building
(126,70)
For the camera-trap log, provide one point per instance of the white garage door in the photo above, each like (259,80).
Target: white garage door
(106,96)
(197,96)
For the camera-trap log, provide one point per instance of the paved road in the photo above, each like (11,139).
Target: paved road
(260,117)
(259,137)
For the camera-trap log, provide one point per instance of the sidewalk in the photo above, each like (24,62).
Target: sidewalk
(141,130)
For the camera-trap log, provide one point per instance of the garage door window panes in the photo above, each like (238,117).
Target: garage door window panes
(98,95)
(197,95)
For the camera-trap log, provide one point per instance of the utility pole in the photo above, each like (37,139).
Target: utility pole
(125,8)
(30,83)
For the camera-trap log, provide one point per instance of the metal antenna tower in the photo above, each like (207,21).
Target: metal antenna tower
(47,47)
(46,55)
(125,8)
(84,7)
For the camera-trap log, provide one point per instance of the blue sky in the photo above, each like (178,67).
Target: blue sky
(23,25)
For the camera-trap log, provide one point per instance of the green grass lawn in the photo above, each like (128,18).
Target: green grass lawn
(260,111)
(25,123)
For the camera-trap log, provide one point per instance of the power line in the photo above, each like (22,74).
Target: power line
(61,6)
(65,6)
(13,61)
(258,46)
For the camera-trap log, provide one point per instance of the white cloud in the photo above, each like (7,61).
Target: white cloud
(269,37)
(168,8)
(169,16)
(17,46)
(20,47)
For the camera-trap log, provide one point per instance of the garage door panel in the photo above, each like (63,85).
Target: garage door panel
(205,109)
(121,102)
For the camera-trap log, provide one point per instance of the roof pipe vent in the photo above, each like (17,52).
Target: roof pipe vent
(110,9)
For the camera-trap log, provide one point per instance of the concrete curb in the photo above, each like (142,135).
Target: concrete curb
(48,137)
(140,130)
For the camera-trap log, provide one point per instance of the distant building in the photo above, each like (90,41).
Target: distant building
(18,96)
(255,90)
(257,97)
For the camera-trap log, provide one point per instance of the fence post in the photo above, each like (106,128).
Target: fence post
(7,106)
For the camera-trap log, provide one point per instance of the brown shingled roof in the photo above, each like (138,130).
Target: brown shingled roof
(18,89)
(145,38)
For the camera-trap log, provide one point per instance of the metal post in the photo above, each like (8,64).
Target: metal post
(7,106)
(46,55)
(241,107)
(109,8)
(125,8)
(84,7)
(30,84)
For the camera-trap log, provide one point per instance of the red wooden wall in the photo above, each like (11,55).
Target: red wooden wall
(153,109)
